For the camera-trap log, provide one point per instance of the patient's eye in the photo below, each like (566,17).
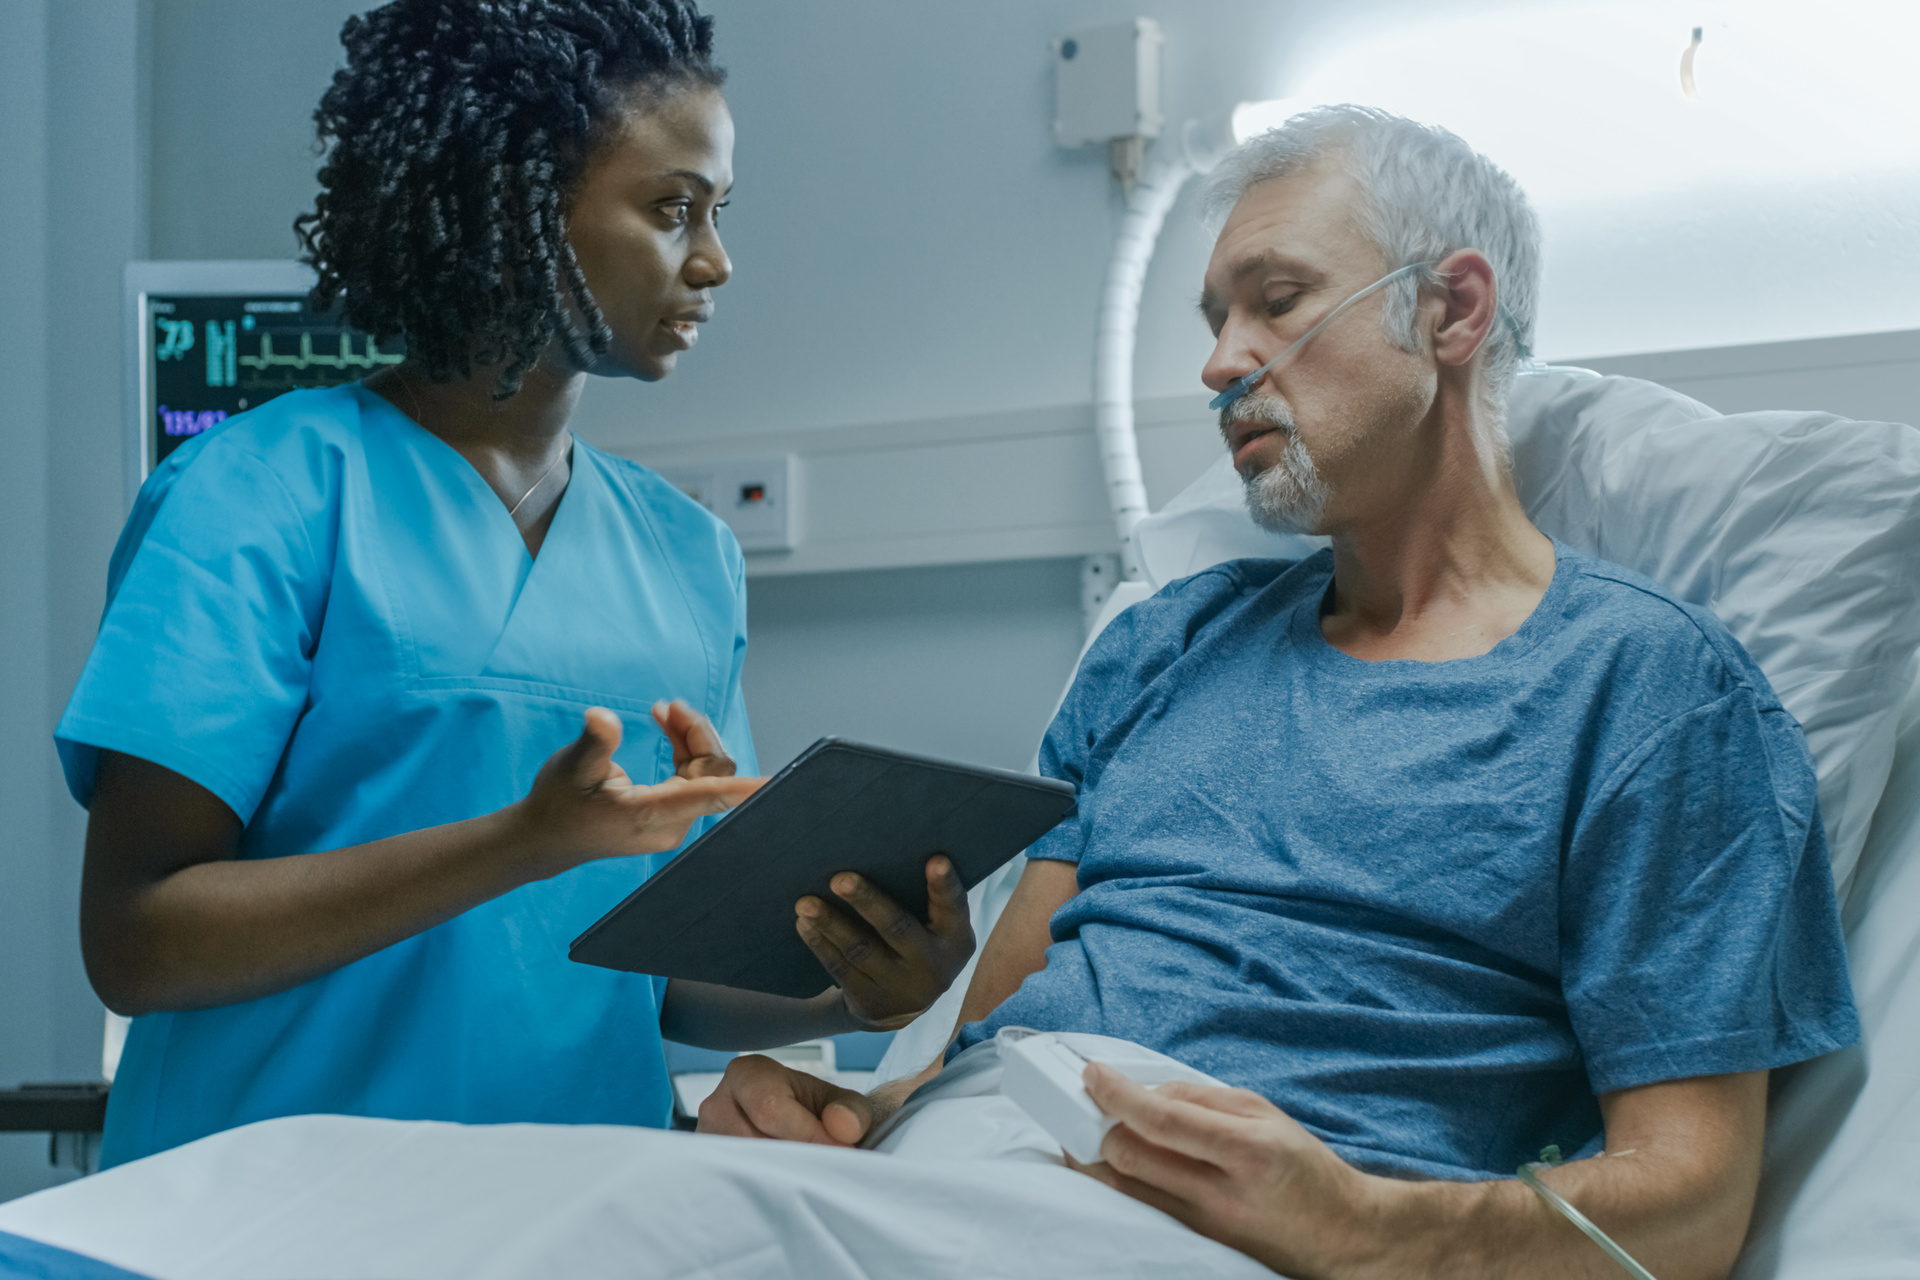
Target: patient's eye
(1281,305)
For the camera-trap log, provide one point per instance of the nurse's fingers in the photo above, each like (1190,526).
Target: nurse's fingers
(682,800)
(849,952)
(588,760)
(698,751)
(655,819)
(947,914)
(893,922)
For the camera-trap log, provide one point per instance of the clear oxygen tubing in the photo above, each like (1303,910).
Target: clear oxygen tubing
(1525,363)
(1152,195)
(1247,382)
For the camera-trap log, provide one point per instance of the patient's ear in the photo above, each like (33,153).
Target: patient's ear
(1470,306)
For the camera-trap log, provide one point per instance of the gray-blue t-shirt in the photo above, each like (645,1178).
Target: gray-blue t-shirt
(1432,909)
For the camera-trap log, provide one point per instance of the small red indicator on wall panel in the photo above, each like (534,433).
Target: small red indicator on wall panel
(754,497)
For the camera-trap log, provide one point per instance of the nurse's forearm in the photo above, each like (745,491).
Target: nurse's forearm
(713,1017)
(171,919)
(219,932)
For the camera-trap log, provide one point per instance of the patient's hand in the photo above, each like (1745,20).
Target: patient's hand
(1675,1186)
(1232,1166)
(888,965)
(761,1098)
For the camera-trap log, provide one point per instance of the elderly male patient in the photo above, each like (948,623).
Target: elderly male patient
(1444,844)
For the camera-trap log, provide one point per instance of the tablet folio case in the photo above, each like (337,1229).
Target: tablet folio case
(722,911)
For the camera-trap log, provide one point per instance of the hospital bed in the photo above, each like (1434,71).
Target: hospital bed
(1800,530)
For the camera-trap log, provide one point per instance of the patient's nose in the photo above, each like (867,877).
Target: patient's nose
(1234,357)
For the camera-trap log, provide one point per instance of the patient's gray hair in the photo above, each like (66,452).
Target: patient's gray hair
(1427,193)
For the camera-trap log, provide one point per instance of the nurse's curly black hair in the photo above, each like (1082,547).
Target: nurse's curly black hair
(457,132)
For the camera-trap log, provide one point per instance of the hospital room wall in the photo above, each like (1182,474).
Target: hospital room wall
(71,205)
(27,943)
(938,656)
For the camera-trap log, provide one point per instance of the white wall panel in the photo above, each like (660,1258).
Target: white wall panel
(961,661)
(1871,376)
(1022,485)
(1026,485)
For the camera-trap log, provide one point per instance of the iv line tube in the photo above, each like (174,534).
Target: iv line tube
(1241,385)
(1529,1176)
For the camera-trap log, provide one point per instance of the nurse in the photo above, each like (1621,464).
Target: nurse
(400,686)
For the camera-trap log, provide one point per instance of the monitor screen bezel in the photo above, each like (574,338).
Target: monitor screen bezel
(145,279)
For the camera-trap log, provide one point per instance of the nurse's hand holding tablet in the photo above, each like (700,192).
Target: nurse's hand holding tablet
(399,684)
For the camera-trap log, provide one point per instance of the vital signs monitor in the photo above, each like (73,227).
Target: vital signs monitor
(207,340)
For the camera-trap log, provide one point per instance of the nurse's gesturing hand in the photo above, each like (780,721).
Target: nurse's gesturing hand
(583,806)
(171,918)
(697,749)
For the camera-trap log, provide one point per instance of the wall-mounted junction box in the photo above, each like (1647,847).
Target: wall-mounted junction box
(756,497)
(1107,82)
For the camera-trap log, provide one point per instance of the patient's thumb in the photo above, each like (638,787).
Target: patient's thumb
(847,1118)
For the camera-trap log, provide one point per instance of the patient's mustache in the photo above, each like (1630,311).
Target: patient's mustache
(1256,406)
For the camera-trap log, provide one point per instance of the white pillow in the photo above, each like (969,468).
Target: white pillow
(1801,531)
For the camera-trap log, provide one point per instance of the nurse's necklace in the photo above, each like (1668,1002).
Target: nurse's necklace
(400,373)
(512,510)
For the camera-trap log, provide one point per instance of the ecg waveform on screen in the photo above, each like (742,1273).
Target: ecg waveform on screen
(224,360)
(308,358)
(214,356)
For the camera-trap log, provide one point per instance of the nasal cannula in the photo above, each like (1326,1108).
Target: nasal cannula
(1241,386)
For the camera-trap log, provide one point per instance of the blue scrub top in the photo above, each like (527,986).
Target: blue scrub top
(321,613)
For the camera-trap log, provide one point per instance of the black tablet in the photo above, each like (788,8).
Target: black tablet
(723,910)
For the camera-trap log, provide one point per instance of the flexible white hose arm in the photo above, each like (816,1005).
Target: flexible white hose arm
(1147,207)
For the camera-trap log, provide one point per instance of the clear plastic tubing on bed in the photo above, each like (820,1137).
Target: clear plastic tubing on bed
(1530,1174)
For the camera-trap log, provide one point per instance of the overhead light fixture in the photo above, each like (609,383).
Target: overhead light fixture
(1687,86)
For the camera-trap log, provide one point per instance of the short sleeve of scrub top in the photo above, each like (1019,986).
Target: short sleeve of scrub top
(321,613)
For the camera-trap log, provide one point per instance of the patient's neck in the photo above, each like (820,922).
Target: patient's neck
(1446,565)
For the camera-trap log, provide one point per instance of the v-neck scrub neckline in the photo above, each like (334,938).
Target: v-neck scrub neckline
(321,613)
(376,408)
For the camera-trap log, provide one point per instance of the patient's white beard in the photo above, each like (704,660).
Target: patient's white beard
(1289,496)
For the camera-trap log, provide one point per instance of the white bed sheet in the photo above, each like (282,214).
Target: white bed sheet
(964,1188)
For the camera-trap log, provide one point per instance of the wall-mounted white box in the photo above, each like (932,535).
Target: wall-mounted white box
(758,498)
(1107,82)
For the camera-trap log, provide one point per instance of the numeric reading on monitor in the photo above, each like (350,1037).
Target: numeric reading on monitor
(212,356)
